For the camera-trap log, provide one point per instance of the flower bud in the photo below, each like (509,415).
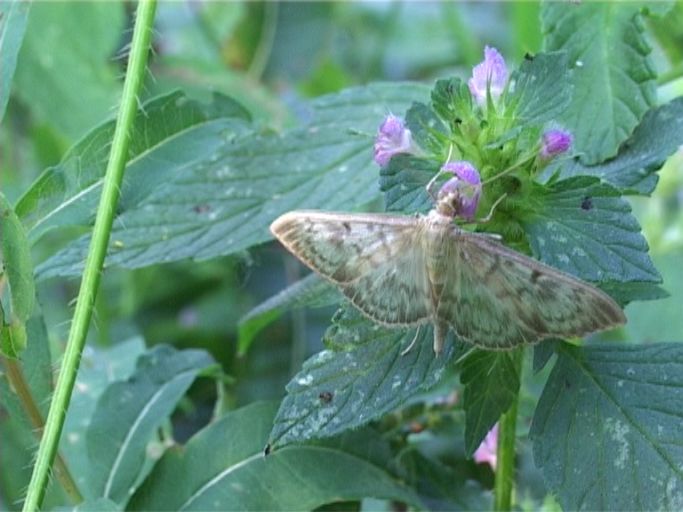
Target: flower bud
(462,192)
(486,453)
(554,142)
(392,138)
(492,73)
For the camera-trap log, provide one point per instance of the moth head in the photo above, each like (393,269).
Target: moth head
(459,195)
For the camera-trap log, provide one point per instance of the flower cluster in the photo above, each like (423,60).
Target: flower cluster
(484,117)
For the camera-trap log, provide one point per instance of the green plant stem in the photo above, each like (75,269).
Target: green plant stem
(505,469)
(16,379)
(265,45)
(98,248)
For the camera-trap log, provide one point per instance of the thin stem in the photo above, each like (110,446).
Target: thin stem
(505,469)
(265,45)
(16,379)
(508,170)
(98,248)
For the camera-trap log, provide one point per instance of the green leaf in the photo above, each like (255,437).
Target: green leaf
(452,99)
(613,75)
(36,362)
(363,377)
(77,71)
(223,468)
(661,320)
(13,18)
(490,386)
(441,487)
(606,432)
(129,412)
(403,182)
(543,352)
(16,428)
(583,227)
(15,264)
(94,505)
(427,130)
(311,291)
(542,90)
(523,19)
(225,201)
(625,293)
(657,137)
(18,444)
(166,133)
(98,369)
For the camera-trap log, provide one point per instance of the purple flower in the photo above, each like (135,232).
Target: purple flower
(486,453)
(491,73)
(464,188)
(554,142)
(392,138)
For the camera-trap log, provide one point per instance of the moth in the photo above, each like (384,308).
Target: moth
(405,271)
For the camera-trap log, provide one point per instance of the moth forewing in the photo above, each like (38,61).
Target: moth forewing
(376,260)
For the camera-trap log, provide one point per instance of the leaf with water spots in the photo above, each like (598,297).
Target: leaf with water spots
(613,74)
(607,429)
(361,377)
(223,467)
(233,185)
(166,134)
(634,169)
(584,227)
(129,412)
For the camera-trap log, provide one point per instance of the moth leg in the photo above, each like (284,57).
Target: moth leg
(412,343)
(489,216)
(430,185)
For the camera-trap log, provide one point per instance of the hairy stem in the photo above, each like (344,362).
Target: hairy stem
(98,248)
(505,470)
(16,379)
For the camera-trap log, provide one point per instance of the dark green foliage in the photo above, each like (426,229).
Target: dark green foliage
(166,411)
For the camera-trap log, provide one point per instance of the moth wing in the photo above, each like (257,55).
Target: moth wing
(377,261)
(497,298)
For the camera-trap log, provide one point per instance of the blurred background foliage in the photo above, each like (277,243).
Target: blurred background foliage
(271,57)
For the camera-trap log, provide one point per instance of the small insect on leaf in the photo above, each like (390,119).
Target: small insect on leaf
(326,397)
